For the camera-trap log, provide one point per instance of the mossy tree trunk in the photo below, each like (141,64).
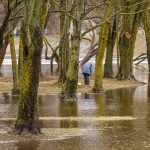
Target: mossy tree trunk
(64,41)
(3,47)
(103,37)
(127,41)
(146,22)
(136,22)
(69,89)
(124,71)
(15,89)
(3,42)
(108,67)
(20,57)
(32,44)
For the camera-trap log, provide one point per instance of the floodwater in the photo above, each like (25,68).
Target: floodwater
(117,120)
(91,134)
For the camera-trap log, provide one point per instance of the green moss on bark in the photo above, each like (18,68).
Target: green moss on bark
(32,44)
(108,67)
(15,89)
(69,89)
(103,37)
(127,41)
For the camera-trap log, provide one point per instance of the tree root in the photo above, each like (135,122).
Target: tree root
(97,90)
(24,130)
(108,76)
(68,96)
(15,92)
(129,77)
(32,128)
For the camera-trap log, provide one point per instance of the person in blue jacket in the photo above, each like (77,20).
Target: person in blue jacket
(87,69)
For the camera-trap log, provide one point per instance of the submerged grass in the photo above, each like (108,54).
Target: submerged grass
(49,134)
(86,119)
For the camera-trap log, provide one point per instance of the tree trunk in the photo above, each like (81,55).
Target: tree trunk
(20,56)
(3,47)
(125,57)
(127,41)
(69,89)
(2,55)
(103,37)
(91,52)
(134,31)
(64,42)
(15,89)
(146,22)
(32,43)
(108,67)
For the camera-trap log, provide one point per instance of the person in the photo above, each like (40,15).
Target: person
(87,69)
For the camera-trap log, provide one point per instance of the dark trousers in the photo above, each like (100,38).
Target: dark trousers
(86,79)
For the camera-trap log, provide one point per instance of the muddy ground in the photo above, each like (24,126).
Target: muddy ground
(49,85)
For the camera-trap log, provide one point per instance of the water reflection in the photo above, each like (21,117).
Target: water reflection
(8,106)
(6,70)
(117,103)
(148,107)
(149,80)
(85,96)
(28,145)
(68,109)
(148,93)
(123,99)
(49,107)
(132,134)
(100,103)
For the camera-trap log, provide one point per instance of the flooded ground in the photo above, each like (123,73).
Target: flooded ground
(120,119)
(117,120)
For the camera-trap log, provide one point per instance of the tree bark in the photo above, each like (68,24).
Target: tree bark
(146,22)
(127,41)
(9,20)
(64,42)
(20,57)
(32,43)
(108,67)
(15,90)
(103,37)
(69,89)
(3,47)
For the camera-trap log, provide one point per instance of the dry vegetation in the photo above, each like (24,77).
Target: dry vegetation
(49,85)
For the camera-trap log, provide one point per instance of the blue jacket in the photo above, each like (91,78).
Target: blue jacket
(87,68)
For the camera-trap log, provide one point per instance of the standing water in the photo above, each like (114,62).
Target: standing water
(119,119)
(83,129)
